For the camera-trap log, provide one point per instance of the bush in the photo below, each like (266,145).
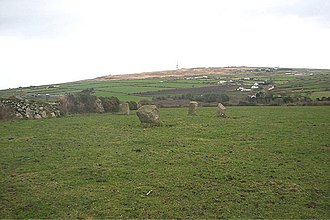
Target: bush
(6,112)
(212,98)
(244,103)
(133,105)
(82,102)
(146,102)
(110,104)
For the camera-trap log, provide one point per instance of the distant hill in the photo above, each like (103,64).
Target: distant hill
(233,85)
(178,73)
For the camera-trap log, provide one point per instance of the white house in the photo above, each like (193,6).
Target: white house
(271,88)
(242,89)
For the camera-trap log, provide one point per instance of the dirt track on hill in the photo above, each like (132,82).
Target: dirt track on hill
(177,73)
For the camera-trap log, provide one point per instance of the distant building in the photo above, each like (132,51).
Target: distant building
(271,88)
(242,89)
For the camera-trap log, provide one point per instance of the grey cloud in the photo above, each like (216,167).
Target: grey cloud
(317,10)
(31,18)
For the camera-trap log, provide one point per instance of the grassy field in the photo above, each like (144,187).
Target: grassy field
(260,162)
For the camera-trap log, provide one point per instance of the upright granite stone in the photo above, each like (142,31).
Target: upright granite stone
(221,110)
(149,115)
(124,108)
(192,108)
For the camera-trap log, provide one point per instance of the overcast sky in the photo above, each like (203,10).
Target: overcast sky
(53,41)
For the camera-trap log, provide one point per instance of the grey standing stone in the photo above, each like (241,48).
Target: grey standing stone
(149,115)
(221,110)
(124,108)
(192,108)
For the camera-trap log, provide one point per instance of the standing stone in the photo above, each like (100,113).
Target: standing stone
(221,110)
(124,108)
(149,115)
(192,108)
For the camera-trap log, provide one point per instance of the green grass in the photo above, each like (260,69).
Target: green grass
(319,81)
(320,94)
(260,162)
(122,96)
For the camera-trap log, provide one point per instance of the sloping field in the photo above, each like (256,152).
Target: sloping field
(260,162)
(135,87)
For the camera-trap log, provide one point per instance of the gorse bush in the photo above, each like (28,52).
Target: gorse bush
(6,112)
(133,105)
(273,99)
(86,102)
(110,104)
(213,97)
(207,98)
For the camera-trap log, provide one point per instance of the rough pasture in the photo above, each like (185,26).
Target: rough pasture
(258,162)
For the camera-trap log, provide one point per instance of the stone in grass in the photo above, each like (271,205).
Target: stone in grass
(149,115)
(124,108)
(192,108)
(37,116)
(221,110)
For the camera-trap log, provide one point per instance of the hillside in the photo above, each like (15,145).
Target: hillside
(238,84)
(177,73)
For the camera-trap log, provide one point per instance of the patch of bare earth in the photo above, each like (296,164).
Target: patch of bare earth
(176,73)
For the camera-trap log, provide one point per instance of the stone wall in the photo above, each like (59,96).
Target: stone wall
(30,110)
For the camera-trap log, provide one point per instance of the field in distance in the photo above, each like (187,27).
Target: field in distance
(238,83)
(259,162)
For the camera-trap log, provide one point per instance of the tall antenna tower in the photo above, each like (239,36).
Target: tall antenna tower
(177,65)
